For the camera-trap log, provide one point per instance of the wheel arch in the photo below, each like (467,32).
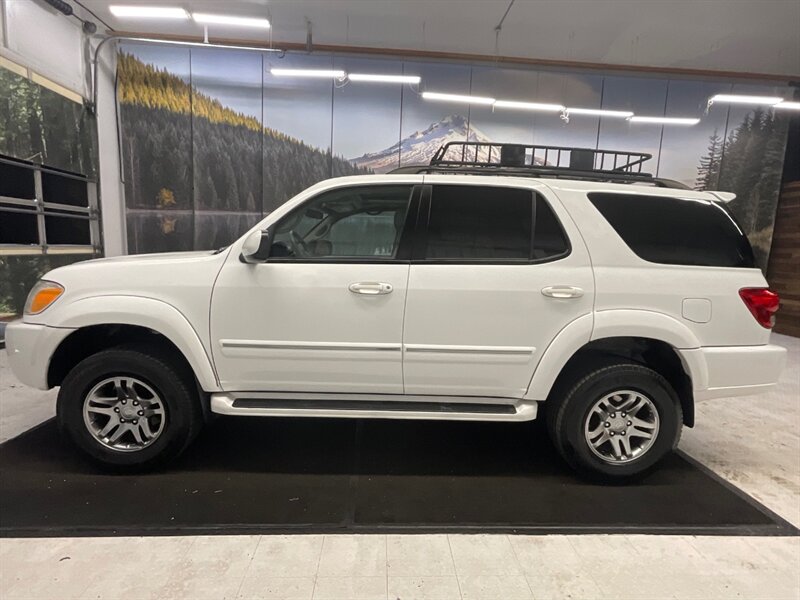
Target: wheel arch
(649,338)
(105,321)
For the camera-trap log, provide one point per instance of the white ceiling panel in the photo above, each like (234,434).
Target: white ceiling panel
(758,36)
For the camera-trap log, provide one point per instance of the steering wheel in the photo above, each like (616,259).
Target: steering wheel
(299,244)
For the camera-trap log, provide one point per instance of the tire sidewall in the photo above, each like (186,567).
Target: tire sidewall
(166,384)
(622,377)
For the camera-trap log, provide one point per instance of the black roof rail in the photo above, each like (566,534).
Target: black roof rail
(534,160)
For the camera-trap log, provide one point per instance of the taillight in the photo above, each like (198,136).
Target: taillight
(763,303)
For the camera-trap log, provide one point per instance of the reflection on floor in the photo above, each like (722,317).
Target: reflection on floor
(753,442)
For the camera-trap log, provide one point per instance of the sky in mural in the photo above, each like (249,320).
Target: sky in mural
(360,119)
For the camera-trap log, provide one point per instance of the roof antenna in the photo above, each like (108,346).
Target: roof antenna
(309,42)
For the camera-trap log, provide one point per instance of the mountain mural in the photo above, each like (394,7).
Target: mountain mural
(420,146)
(186,152)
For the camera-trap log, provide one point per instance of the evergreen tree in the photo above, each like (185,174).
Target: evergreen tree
(708,171)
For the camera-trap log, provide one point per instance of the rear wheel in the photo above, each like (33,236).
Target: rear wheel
(131,407)
(617,421)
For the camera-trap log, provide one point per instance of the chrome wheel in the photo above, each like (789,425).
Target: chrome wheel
(124,413)
(621,426)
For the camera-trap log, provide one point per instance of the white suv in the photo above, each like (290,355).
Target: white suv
(609,300)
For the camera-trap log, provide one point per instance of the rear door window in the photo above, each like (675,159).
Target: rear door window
(676,231)
(492,224)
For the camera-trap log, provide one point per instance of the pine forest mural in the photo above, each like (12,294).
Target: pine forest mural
(211,141)
(41,126)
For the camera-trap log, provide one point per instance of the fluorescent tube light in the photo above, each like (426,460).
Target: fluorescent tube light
(665,120)
(788,105)
(206,18)
(457,98)
(528,105)
(317,73)
(599,112)
(737,99)
(149,12)
(384,78)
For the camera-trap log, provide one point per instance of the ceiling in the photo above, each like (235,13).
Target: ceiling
(745,36)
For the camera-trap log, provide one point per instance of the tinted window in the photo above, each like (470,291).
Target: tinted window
(676,231)
(364,221)
(549,240)
(479,223)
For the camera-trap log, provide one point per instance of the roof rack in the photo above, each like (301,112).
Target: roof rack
(530,160)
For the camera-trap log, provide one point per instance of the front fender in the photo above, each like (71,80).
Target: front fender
(143,312)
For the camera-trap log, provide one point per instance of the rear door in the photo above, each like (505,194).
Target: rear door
(497,272)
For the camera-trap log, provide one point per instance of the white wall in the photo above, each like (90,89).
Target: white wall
(54,46)
(112,195)
(45,41)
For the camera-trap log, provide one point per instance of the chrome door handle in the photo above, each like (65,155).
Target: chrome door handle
(371,288)
(562,291)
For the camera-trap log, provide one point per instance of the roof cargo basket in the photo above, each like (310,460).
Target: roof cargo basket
(533,160)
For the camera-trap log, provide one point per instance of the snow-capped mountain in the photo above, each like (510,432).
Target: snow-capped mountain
(420,146)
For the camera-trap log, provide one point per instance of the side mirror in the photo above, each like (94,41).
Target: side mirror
(256,247)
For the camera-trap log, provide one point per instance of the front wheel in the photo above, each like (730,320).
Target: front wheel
(129,408)
(617,421)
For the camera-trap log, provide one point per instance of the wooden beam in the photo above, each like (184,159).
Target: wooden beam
(548,64)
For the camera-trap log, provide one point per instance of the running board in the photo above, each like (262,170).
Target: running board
(373,406)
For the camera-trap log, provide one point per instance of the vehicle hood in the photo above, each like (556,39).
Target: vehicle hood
(182,279)
(158,256)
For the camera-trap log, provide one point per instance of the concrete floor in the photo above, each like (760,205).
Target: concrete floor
(753,442)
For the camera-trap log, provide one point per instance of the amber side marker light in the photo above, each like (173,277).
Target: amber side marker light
(41,296)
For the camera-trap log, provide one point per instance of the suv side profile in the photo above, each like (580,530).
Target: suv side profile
(441,292)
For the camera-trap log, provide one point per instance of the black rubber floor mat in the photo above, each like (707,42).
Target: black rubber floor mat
(327,475)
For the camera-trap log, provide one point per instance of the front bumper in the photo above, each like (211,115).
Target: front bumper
(30,348)
(739,370)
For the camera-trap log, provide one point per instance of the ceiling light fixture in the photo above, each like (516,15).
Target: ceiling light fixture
(738,99)
(788,105)
(528,105)
(457,98)
(315,73)
(368,77)
(665,120)
(149,12)
(208,19)
(599,112)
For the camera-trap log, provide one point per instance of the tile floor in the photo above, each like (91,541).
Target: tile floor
(753,442)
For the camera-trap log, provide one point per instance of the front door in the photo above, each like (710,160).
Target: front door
(493,282)
(324,313)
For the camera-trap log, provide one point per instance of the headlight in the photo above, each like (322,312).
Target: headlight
(43,294)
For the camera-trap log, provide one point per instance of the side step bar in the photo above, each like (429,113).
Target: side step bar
(373,406)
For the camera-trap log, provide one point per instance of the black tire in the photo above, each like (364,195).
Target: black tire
(172,381)
(566,418)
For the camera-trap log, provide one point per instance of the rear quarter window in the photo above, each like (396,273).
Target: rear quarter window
(676,231)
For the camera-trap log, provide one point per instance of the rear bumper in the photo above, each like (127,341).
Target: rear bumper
(30,348)
(737,370)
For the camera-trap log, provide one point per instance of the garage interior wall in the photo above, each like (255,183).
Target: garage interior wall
(285,135)
(212,140)
(49,212)
(784,259)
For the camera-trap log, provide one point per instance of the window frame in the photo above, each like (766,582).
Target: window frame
(404,246)
(421,237)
